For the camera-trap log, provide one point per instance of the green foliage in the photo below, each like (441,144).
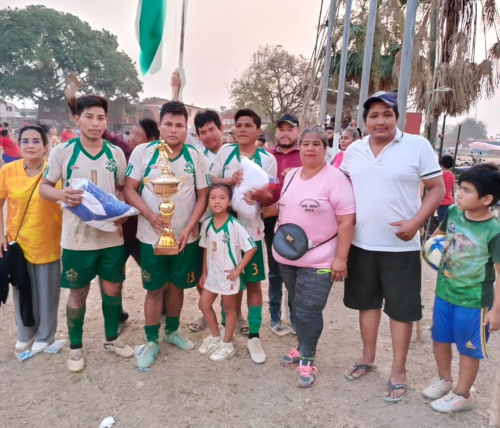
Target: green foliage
(41,46)
(471,128)
(272,84)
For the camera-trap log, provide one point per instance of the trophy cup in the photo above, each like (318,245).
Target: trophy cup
(165,187)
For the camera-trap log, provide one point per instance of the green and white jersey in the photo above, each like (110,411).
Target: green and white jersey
(228,161)
(191,164)
(467,273)
(210,160)
(224,252)
(106,170)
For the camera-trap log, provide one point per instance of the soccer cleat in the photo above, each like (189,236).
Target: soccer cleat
(439,388)
(148,355)
(210,344)
(76,362)
(307,373)
(256,352)
(452,403)
(177,340)
(38,347)
(118,347)
(291,359)
(223,351)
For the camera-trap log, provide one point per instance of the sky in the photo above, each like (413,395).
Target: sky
(221,36)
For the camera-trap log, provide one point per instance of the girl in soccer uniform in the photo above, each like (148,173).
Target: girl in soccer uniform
(224,239)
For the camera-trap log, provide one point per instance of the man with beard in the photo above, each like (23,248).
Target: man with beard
(287,154)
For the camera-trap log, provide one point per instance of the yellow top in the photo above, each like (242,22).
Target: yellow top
(40,233)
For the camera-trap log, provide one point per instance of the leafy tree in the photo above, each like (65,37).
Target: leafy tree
(471,128)
(272,84)
(41,46)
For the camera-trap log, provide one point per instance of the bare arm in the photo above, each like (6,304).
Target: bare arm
(344,240)
(199,210)
(67,195)
(493,316)
(236,272)
(408,228)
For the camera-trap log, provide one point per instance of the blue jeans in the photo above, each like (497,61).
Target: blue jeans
(442,210)
(275,280)
(309,291)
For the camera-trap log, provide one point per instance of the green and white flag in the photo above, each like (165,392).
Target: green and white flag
(150,25)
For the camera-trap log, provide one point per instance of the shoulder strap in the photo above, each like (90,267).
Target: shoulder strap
(283,192)
(28,204)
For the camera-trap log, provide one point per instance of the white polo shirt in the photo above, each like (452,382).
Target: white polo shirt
(387,188)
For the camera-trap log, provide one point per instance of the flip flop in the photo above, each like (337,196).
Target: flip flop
(392,388)
(357,367)
(198,325)
(243,326)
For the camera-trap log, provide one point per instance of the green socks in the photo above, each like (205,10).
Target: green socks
(111,309)
(171,324)
(254,319)
(75,317)
(152,332)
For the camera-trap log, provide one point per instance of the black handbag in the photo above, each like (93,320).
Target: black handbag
(290,240)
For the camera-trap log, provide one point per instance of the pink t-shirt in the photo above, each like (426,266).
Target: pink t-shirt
(313,205)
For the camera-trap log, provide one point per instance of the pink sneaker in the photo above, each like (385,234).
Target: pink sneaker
(291,359)
(307,373)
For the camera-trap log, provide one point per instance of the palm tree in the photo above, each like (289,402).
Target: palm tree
(457,23)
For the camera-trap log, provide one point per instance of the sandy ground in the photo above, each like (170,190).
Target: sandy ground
(185,389)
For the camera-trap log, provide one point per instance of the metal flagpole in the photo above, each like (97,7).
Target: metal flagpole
(406,60)
(326,68)
(367,60)
(182,74)
(456,147)
(343,65)
(442,138)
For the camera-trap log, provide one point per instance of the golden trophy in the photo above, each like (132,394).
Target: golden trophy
(165,187)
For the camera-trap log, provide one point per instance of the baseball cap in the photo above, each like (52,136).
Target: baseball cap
(288,118)
(389,98)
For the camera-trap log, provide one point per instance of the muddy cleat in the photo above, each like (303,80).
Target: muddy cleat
(76,362)
(118,347)
(177,340)
(148,356)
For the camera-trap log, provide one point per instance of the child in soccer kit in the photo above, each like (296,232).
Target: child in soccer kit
(224,239)
(467,304)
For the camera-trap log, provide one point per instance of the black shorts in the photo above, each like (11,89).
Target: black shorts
(377,275)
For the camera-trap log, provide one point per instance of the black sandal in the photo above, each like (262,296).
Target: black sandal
(393,388)
(357,367)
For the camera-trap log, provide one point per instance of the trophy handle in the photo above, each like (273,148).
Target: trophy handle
(147,183)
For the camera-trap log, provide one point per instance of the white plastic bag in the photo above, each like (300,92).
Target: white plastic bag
(99,208)
(254,177)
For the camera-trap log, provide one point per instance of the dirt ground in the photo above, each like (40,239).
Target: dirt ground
(185,389)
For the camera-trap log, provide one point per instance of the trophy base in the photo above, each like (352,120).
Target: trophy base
(166,251)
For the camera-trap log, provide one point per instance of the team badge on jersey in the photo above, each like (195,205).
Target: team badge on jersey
(225,238)
(189,168)
(111,165)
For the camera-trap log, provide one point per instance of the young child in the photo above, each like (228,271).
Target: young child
(223,239)
(446,163)
(467,306)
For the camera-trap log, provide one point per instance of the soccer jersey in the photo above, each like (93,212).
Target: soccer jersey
(224,247)
(106,170)
(210,160)
(467,272)
(228,161)
(191,164)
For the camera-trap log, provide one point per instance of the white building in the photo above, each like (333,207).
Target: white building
(7,112)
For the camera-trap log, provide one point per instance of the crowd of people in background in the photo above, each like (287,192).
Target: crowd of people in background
(351,215)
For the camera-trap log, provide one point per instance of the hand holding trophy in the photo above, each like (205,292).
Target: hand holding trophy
(165,187)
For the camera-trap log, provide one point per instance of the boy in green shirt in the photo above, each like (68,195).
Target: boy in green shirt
(466,308)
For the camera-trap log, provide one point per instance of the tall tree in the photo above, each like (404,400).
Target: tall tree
(272,83)
(40,47)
